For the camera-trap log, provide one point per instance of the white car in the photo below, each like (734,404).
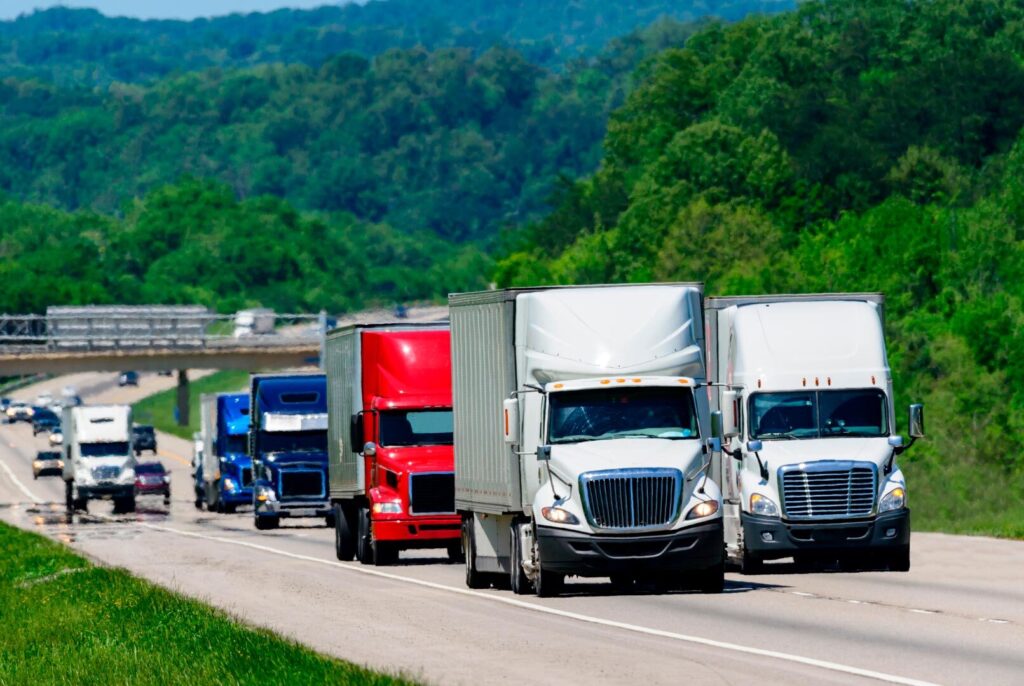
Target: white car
(56,437)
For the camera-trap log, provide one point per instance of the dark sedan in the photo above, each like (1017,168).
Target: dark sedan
(152,479)
(143,438)
(44,420)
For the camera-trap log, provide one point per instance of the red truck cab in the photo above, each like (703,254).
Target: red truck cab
(392,475)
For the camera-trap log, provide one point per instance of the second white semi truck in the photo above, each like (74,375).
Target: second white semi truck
(99,462)
(581,440)
(809,468)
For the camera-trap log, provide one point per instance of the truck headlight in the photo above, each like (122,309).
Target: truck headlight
(703,509)
(229,484)
(388,507)
(763,505)
(264,494)
(896,499)
(558,515)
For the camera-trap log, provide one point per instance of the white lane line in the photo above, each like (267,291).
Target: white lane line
(922,612)
(802,594)
(17,482)
(787,657)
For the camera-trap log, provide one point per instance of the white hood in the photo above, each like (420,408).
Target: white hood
(782,453)
(572,459)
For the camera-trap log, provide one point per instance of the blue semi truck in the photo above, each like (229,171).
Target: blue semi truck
(288,447)
(226,469)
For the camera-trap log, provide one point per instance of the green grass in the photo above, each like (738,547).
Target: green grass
(158,409)
(66,621)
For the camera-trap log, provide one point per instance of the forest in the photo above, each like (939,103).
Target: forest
(851,145)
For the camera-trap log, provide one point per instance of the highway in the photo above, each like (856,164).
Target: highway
(956,618)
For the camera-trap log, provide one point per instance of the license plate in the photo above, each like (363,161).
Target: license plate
(302,512)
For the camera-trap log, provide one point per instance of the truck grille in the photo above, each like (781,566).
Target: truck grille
(246,477)
(105,473)
(631,498)
(432,493)
(306,483)
(828,490)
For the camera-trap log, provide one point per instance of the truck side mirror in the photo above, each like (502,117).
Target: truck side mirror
(754,446)
(510,419)
(543,453)
(356,430)
(730,421)
(716,424)
(915,421)
(370,449)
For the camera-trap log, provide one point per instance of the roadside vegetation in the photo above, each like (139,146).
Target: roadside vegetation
(158,409)
(67,621)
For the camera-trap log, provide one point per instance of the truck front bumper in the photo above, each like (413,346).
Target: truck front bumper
(101,491)
(419,532)
(293,510)
(771,538)
(693,548)
(242,497)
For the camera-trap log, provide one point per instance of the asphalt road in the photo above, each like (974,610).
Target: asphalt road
(956,618)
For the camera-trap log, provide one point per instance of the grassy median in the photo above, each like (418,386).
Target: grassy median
(67,621)
(158,409)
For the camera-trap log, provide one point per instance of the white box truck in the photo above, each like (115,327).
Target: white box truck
(581,441)
(99,462)
(808,468)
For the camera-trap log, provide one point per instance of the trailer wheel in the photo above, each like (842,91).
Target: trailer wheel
(364,551)
(474,579)
(344,540)
(518,581)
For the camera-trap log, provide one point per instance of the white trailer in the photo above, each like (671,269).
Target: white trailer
(99,462)
(808,468)
(257,321)
(580,437)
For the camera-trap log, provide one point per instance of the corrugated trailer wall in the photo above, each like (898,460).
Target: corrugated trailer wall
(483,375)
(208,430)
(342,367)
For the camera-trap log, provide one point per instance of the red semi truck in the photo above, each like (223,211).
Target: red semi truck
(389,396)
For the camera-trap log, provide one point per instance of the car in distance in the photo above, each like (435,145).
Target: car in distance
(151,478)
(44,419)
(19,412)
(128,379)
(56,436)
(47,462)
(44,400)
(143,438)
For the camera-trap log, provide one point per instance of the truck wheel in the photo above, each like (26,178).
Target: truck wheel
(364,551)
(548,584)
(623,582)
(750,564)
(474,579)
(384,553)
(344,540)
(712,580)
(228,509)
(518,580)
(329,520)
(267,523)
(199,502)
(899,559)
(69,500)
(455,555)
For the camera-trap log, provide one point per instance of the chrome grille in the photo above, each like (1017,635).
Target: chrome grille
(105,473)
(630,499)
(828,490)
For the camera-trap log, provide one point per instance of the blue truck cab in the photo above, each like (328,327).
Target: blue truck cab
(288,447)
(226,465)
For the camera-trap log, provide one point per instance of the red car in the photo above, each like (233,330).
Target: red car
(152,479)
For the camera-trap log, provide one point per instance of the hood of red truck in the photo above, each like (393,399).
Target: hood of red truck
(415,459)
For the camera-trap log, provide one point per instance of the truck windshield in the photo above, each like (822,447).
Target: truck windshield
(293,441)
(593,415)
(817,414)
(416,427)
(116,449)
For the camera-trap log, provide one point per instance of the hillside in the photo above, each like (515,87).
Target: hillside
(439,140)
(852,145)
(84,47)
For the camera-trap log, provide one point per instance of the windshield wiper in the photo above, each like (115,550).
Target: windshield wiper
(579,438)
(784,435)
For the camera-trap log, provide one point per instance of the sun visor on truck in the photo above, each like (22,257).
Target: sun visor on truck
(276,421)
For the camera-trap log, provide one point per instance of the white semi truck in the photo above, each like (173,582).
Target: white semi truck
(99,462)
(808,468)
(581,441)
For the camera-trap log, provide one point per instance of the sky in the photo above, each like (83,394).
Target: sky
(161,9)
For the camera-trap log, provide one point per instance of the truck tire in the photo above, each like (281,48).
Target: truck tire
(344,538)
(227,509)
(899,560)
(199,502)
(518,581)
(69,501)
(384,553)
(455,553)
(267,523)
(474,578)
(548,584)
(712,580)
(750,563)
(364,551)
